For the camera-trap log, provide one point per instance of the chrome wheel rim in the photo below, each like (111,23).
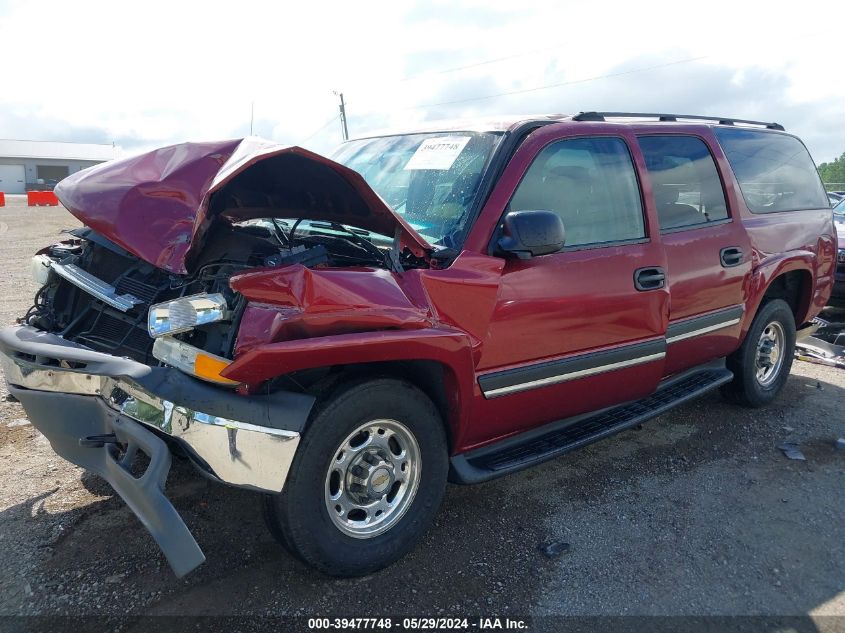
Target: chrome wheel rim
(372,478)
(770,349)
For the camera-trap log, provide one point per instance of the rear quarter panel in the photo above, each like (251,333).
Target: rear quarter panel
(790,241)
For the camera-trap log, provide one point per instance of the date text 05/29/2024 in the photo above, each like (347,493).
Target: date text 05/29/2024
(419,624)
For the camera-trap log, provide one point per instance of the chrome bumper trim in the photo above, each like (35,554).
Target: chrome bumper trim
(96,287)
(238,453)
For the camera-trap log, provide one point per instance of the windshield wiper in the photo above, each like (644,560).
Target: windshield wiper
(280,234)
(334,225)
(357,237)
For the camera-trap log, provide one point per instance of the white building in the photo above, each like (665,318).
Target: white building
(27,165)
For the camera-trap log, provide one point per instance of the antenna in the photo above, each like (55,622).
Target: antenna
(343,116)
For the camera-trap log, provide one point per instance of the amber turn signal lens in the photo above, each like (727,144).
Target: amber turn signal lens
(209,367)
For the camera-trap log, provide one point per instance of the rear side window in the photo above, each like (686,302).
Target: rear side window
(591,184)
(686,185)
(774,171)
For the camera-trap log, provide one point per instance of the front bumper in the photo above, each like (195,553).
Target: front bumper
(75,396)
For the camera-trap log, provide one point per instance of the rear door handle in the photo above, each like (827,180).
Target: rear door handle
(650,278)
(730,256)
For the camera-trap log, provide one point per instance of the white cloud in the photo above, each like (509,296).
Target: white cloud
(165,71)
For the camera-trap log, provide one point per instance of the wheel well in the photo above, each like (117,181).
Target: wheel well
(794,288)
(428,376)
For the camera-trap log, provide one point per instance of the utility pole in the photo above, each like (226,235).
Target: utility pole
(343,116)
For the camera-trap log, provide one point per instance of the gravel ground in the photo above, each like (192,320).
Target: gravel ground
(697,513)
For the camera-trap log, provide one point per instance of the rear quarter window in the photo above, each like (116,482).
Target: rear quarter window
(774,171)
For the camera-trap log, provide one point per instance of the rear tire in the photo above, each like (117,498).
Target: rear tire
(761,365)
(366,482)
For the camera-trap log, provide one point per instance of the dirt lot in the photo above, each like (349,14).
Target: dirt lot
(696,513)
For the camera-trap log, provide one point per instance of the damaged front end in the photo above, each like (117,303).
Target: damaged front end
(126,347)
(170,228)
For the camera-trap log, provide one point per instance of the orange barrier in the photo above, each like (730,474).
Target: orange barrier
(2,199)
(41,198)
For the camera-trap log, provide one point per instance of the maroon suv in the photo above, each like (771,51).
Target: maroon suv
(453,303)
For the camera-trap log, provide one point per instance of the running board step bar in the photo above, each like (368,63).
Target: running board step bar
(557,438)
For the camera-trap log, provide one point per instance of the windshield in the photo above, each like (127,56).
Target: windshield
(431,180)
(839,209)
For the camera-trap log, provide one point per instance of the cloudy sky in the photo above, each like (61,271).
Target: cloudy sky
(158,72)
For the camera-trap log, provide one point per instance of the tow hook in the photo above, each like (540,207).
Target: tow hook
(98,441)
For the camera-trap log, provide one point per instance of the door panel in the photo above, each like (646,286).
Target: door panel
(569,335)
(564,303)
(706,291)
(698,282)
(700,286)
(570,332)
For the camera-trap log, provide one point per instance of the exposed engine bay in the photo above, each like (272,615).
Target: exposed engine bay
(98,295)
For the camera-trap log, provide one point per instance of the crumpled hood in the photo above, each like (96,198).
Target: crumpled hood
(157,205)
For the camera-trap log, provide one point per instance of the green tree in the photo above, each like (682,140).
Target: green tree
(833,172)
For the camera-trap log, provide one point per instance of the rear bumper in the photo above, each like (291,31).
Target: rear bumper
(71,393)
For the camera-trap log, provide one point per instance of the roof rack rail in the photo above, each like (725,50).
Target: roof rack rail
(602,116)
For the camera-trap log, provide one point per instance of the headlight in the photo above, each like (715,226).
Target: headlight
(842,256)
(40,268)
(185,313)
(191,360)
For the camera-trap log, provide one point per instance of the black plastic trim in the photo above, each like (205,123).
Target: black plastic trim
(694,227)
(85,417)
(679,328)
(549,369)
(283,410)
(611,244)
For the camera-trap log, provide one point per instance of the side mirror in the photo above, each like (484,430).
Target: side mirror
(528,234)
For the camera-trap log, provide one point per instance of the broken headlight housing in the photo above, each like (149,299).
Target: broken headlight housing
(185,313)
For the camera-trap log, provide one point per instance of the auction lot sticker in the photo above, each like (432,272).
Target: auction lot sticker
(438,153)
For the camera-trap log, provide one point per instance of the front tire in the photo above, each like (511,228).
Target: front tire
(761,365)
(367,479)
